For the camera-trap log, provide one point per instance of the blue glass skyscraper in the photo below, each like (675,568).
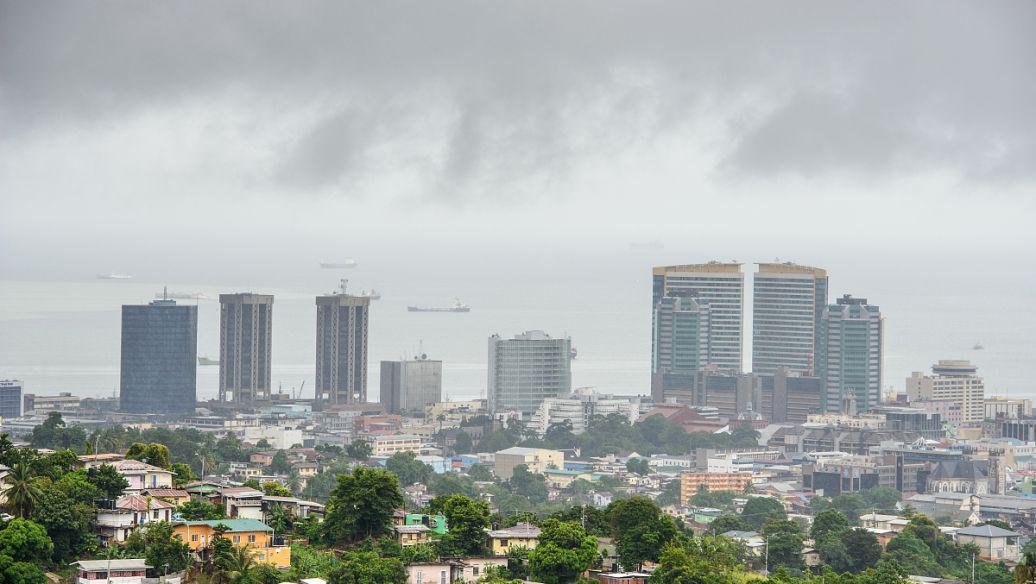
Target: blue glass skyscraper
(159,358)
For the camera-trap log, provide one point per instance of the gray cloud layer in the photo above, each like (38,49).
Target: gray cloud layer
(473,92)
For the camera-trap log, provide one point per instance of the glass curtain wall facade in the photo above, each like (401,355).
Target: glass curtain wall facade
(851,355)
(788,303)
(680,343)
(721,286)
(159,358)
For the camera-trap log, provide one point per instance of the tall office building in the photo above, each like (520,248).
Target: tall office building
(409,385)
(850,355)
(527,369)
(245,334)
(10,399)
(342,347)
(788,301)
(159,358)
(954,381)
(721,286)
(680,343)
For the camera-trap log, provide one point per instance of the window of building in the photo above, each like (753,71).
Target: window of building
(237,539)
(442,577)
(194,537)
(251,538)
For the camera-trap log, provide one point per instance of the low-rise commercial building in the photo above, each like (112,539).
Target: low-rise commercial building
(536,460)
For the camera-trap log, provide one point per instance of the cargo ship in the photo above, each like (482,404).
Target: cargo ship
(114,276)
(457,306)
(206,361)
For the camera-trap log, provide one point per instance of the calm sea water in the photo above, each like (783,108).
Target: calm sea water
(64,335)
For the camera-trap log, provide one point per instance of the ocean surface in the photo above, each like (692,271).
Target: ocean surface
(64,334)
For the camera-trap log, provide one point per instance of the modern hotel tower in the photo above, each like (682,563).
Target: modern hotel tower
(787,303)
(342,347)
(245,332)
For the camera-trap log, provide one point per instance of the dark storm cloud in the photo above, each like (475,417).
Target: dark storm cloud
(479,91)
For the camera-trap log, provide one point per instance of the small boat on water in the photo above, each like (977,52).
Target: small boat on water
(204,361)
(457,306)
(339,265)
(977,347)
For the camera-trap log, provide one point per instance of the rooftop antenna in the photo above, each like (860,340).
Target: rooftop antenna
(342,285)
(165,292)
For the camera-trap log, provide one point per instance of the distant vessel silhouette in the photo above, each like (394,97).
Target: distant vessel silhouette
(114,276)
(977,347)
(206,361)
(338,265)
(457,306)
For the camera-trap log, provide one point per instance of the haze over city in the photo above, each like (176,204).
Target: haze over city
(511,292)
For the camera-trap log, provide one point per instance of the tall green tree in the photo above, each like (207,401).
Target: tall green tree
(25,541)
(108,481)
(66,510)
(759,510)
(638,466)
(532,486)
(359,450)
(155,454)
(827,523)
(409,470)
(462,443)
(784,543)
(563,553)
(23,490)
(361,505)
(466,520)
(640,530)
(280,463)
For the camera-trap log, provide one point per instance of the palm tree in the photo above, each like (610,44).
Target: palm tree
(1025,571)
(239,562)
(22,491)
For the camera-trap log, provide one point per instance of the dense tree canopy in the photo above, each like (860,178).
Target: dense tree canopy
(361,505)
(564,552)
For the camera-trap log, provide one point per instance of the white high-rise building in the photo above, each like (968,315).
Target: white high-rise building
(528,369)
(580,407)
(721,286)
(954,381)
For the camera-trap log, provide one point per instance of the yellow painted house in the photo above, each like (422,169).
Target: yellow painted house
(522,535)
(252,533)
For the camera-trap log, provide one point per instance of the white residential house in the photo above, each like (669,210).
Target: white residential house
(130,512)
(139,475)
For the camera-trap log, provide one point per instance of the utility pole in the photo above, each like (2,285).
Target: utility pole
(766,568)
(973,568)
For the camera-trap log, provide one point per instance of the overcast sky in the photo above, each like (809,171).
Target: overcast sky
(125,126)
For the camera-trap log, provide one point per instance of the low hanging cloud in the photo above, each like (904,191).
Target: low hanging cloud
(469,94)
